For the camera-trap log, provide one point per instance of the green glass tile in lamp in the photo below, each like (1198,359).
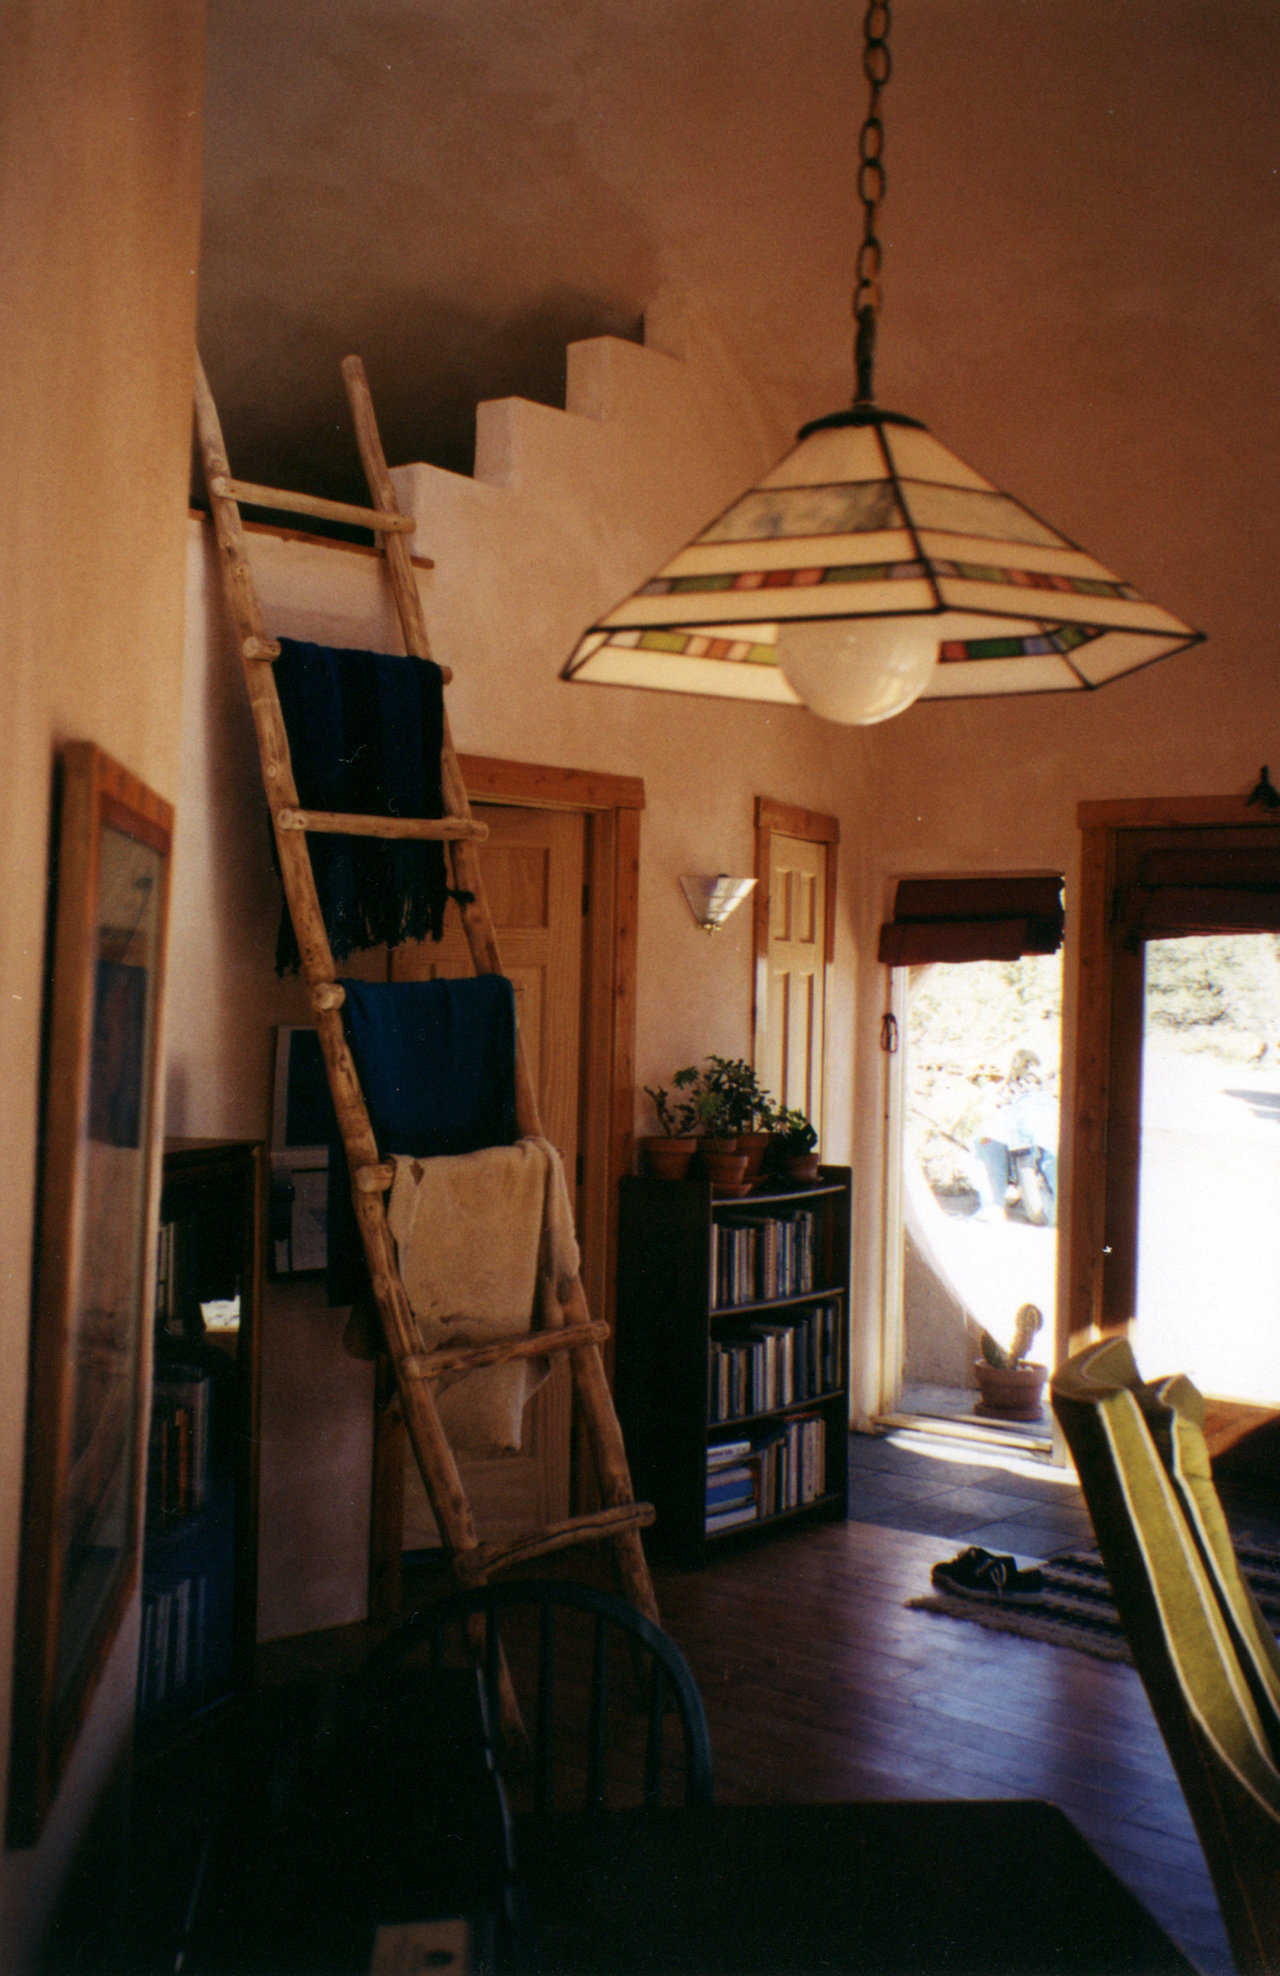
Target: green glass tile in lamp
(872,567)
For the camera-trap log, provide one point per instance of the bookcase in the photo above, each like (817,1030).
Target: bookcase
(200,1550)
(732,1355)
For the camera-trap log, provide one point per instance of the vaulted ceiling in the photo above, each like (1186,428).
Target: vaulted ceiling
(1081,254)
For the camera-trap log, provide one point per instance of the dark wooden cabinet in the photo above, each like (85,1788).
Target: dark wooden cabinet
(200,1548)
(732,1357)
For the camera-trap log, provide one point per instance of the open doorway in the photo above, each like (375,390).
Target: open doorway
(972,1244)
(1209,1177)
(982,1050)
(1177,1107)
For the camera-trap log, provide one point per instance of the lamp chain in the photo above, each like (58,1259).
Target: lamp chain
(877,68)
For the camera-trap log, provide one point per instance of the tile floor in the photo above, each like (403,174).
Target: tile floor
(967,1494)
(972,1493)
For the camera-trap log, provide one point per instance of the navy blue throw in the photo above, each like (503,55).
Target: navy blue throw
(365,734)
(437,1064)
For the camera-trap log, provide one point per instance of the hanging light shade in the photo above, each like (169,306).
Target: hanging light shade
(872,567)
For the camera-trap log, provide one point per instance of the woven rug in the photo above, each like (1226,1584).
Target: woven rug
(1075,1608)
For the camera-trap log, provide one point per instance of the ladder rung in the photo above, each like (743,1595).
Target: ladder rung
(529,1344)
(371,1179)
(252,495)
(485,1559)
(334,823)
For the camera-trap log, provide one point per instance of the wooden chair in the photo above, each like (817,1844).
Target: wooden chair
(598,1685)
(1202,1649)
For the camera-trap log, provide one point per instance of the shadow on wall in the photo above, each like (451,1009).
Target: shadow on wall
(940,1337)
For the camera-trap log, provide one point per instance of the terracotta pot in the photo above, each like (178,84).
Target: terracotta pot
(1012,1392)
(755,1145)
(667,1155)
(802,1166)
(724,1164)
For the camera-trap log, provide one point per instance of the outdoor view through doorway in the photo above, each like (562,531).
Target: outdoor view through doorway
(980,1140)
(1209,1164)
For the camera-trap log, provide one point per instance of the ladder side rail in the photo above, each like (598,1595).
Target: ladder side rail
(608,1450)
(622,1516)
(449,1498)
(613,1472)
(477,920)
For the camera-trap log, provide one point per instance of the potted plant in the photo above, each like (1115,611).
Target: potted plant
(746,1110)
(794,1144)
(667,1152)
(1011,1386)
(715,1114)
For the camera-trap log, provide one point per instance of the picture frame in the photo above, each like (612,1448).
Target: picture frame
(302,1127)
(91,1332)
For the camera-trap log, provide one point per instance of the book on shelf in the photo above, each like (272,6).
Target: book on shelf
(764,1257)
(176,1242)
(773,1363)
(178,1461)
(784,1468)
(171,1660)
(721,1453)
(733,1485)
(731,1519)
(727,1487)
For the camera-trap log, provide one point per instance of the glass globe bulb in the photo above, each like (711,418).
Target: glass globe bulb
(858,670)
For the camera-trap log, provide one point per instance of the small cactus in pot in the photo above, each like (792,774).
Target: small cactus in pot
(1010,1384)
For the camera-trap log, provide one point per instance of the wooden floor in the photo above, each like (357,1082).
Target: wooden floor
(821,1684)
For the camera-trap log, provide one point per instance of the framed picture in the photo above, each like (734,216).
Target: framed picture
(90,1351)
(302,1128)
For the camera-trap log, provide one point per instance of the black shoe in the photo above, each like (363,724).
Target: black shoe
(977,1574)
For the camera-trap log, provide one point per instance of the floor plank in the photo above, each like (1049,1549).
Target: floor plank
(821,1683)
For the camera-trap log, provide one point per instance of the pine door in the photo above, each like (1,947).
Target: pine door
(533,864)
(792,943)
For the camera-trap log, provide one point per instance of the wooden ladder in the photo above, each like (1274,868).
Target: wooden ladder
(567,1323)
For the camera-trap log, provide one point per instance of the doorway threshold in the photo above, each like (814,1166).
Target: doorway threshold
(973,1433)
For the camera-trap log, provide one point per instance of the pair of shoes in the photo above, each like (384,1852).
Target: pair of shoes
(977,1574)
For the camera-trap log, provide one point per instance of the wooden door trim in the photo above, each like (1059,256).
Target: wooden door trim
(538,786)
(1171,812)
(614,804)
(1101,825)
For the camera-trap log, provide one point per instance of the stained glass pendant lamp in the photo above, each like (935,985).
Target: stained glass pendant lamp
(872,567)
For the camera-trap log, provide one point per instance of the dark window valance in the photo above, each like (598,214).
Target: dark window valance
(972,919)
(1210,890)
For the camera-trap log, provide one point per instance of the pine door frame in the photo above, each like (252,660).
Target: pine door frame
(1101,1047)
(612,806)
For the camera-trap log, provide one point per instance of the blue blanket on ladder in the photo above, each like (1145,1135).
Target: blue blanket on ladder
(437,1060)
(365,734)
(437,1063)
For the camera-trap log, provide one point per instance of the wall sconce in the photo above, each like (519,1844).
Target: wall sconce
(711,900)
